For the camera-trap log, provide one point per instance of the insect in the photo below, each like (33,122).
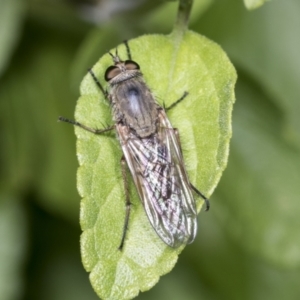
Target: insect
(152,150)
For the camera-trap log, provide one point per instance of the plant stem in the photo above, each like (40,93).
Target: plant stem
(183,15)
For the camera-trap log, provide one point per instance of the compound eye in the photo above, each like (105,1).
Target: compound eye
(131,65)
(111,72)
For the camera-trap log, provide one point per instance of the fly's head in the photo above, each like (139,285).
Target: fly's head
(121,70)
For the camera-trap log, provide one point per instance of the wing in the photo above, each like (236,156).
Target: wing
(158,170)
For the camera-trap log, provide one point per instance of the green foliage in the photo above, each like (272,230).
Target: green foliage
(12,247)
(34,151)
(11,18)
(195,64)
(265,137)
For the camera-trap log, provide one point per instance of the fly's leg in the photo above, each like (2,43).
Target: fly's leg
(207,204)
(96,131)
(177,102)
(124,174)
(127,49)
(127,201)
(104,92)
(123,161)
(93,130)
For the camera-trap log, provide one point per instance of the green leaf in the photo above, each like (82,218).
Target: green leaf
(253,4)
(170,67)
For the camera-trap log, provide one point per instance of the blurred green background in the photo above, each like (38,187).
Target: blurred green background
(248,244)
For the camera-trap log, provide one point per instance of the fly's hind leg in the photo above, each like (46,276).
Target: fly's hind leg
(127,201)
(207,204)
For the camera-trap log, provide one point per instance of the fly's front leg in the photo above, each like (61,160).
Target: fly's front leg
(127,201)
(104,92)
(93,130)
(127,50)
(207,204)
(177,102)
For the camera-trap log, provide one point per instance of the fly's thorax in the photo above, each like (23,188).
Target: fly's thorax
(134,106)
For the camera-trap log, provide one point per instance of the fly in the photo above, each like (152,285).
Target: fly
(151,148)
